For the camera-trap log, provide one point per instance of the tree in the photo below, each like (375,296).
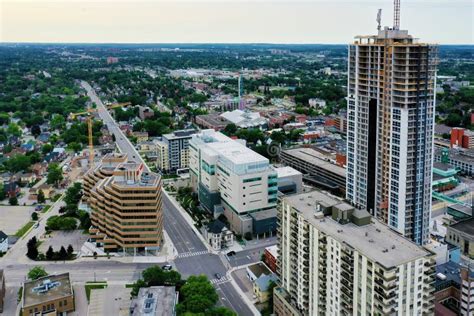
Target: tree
(198,295)
(61,223)
(18,162)
(36,273)
(35,130)
(13,129)
(75,147)
(13,200)
(57,121)
(41,198)
(50,253)
(46,149)
(230,129)
(62,253)
(70,251)
(34,216)
(55,174)
(32,249)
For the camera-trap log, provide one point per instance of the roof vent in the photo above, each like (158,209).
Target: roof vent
(378,230)
(393,246)
(371,240)
(366,234)
(339,230)
(385,250)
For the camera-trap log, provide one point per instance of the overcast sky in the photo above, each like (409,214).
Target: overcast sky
(226,21)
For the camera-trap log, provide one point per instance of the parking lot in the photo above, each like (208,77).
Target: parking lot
(12,218)
(63,238)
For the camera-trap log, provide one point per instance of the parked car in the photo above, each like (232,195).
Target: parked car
(167,267)
(230,253)
(218,276)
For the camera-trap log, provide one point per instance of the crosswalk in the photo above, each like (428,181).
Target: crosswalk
(224,279)
(192,254)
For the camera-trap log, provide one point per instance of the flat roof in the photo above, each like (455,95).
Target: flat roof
(466,226)
(373,240)
(33,293)
(214,119)
(316,158)
(154,301)
(287,172)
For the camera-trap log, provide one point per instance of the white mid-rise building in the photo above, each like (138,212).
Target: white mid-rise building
(335,259)
(233,179)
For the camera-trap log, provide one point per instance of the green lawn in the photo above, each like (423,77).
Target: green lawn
(89,286)
(24,229)
(45,208)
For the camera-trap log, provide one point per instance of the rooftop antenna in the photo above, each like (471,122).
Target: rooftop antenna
(379,19)
(396,14)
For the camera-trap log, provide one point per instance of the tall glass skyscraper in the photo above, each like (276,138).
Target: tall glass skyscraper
(390,103)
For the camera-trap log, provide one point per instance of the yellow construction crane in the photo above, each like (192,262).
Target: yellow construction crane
(89,113)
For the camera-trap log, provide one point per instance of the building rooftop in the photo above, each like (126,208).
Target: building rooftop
(316,158)
(286,172)
(214,120)
(154,301)
(375,240)
(466,226)
(273,250)
(259,269)
(46,289)
(263,282)
(185,133)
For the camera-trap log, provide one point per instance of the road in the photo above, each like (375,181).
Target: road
(193,257)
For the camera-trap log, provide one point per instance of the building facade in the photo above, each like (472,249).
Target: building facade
(335,259)
(390,112)
(230,177)
(126,211)
(177,147)
(462,235)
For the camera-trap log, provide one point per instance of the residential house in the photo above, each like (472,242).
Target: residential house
(218,235)
(39,169)
(141,136)
(27,178)
(47,189)
(262,287)
(11,189)
(3,242)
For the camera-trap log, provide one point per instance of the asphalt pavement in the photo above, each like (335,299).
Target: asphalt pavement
(192,258)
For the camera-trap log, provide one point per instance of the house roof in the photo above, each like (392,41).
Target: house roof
(215,227)
(264,280)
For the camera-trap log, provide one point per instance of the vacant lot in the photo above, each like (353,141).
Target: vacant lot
(12,218)
(64,238)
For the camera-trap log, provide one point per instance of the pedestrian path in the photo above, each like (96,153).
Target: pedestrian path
(224,279)
(192,254)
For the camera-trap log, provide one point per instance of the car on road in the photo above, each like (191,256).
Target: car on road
(218,276)
(230,253)
(36,225)
(167,267)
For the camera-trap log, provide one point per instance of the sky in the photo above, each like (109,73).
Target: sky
(229,21)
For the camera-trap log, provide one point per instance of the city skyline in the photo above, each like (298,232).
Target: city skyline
(282,22)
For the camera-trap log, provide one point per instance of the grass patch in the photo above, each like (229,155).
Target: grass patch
(24,229)
(89,286)
(45,208)
(129,286)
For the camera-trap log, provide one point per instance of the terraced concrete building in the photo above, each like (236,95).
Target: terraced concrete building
(126,211)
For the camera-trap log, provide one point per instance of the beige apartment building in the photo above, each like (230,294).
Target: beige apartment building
(338,260)
(126,211)
(101,171)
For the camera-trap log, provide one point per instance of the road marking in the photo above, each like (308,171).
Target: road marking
(192,254)
(224,279)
